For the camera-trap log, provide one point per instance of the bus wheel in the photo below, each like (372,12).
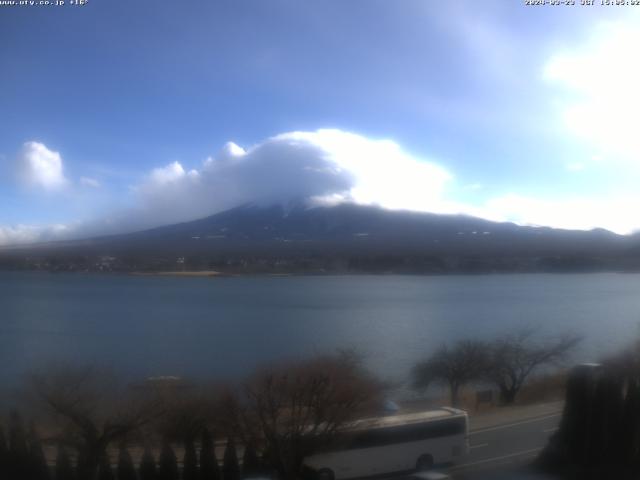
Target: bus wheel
(425,462)
(325,474)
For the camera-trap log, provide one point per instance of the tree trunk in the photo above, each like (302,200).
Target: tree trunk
(455,389)
(89,459)
(88,465)
(508,395)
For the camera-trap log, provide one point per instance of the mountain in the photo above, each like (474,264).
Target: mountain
(341,238)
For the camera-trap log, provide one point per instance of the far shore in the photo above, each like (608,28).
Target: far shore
(198,273)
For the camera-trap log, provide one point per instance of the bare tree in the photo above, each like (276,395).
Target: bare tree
(515,356)
(453,367)
(292,410)
(91,411)
(187,411)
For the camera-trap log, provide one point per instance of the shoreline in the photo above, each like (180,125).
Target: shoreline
(314,273)
(194,273)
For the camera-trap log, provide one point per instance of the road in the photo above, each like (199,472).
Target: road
(506,446)
(504,442)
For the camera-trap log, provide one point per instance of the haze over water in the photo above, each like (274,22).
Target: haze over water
(224,327)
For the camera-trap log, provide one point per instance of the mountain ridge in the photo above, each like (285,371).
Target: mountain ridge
(341,238)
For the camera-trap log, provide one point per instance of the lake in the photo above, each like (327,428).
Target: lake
(225,327)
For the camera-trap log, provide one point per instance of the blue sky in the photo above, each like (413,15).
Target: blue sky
(117,115)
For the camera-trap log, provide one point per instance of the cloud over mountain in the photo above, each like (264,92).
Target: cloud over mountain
(320,167)
(325,166)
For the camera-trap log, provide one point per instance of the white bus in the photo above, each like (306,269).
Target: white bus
(391,444)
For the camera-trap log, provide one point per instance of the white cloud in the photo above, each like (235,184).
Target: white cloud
(39,167)
(169,174)
(601,79)
(383,174)
(574,166)
(89,182)
(325,166)
(20,234)
(581,213)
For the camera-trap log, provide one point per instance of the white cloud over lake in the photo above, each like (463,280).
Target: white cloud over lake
(601,98)
(322,167)
(19,234)
(39,167)
(572,212)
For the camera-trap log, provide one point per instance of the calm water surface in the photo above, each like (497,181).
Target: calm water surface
(213,327)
